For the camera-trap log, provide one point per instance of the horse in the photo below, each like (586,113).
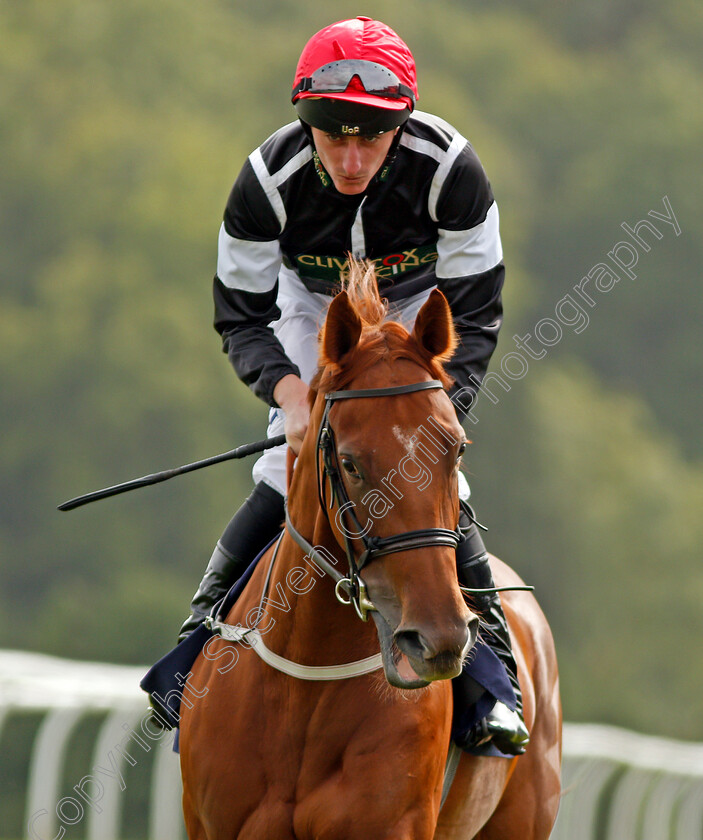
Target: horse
(306,722)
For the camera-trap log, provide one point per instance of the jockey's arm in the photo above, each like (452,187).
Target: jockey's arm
(291,393)
(477,313)
(245,289)
(243,319)
(470,272)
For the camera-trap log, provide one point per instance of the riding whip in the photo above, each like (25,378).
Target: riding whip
(155,478)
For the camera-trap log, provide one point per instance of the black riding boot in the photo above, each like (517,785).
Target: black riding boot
(503,727)
(252,527)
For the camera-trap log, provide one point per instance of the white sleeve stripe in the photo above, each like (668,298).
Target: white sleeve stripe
(433,121)
(246,265)
(457,145)
(424,147)
(464,252)
(293,165)
(269,186)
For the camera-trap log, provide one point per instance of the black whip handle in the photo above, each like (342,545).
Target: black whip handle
(155,478)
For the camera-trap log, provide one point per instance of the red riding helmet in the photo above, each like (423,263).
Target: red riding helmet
(355,77)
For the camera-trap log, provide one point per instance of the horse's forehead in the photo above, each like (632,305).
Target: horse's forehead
(386,423)
(397,416)
(406,436)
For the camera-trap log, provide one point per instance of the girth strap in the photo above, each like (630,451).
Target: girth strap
(450,769)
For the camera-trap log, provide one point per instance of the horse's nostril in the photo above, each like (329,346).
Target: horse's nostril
(414,644)
(411,643)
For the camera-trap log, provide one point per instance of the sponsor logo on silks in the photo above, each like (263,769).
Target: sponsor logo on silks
(330,270)
(320,169)
(384,172)
(350,129)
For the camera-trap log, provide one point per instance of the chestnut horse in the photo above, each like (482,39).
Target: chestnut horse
(280,743)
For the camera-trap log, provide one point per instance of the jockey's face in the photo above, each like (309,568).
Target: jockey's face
(352,162)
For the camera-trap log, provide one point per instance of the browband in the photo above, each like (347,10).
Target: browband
(384,392)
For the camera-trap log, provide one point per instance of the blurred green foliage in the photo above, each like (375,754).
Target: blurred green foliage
(122,128)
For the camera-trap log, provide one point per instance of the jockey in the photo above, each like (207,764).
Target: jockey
(361,172)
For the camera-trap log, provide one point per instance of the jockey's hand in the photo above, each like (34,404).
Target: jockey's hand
(291,393)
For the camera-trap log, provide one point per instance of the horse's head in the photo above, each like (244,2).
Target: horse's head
(389,484)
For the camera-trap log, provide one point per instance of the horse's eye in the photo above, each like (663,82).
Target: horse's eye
(350,467)
(462,449)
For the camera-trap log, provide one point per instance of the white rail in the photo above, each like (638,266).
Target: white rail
(620,785)
(68,691)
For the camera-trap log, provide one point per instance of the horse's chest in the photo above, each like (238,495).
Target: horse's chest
(326,788)
(375,807)
(316,762)
(346,783)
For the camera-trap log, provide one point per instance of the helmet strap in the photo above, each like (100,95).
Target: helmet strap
(385,169)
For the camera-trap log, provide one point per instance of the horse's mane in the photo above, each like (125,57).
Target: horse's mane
(381,339)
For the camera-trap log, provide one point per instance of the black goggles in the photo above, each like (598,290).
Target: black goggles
(336,76)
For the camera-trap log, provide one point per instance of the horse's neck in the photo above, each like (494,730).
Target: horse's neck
(311,625)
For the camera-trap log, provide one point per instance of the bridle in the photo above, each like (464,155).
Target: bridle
(351,589)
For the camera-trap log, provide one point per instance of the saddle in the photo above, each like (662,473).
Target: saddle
(481,684)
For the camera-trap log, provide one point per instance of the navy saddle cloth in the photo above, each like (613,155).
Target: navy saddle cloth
(482,682)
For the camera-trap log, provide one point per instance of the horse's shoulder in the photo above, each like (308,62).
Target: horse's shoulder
(504,574)
(521,608)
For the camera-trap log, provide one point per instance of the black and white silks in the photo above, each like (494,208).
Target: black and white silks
(431,221)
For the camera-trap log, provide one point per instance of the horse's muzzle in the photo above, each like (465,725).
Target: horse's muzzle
(439,657)
(413,659)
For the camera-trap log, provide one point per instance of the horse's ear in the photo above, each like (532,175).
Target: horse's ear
(434,328)
(342,330)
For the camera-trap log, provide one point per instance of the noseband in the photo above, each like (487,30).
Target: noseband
(351,589)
